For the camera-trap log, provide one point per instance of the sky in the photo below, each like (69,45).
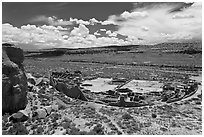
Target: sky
(38,25)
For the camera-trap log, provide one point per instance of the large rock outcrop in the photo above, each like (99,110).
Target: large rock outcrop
(73,92)
(14,81)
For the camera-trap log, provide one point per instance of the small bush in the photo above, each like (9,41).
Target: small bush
(154,115)
(198,103)
(74,131)
(127,116)
(98,129)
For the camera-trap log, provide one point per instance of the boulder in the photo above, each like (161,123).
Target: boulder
(20,116)
(41,113)
(42,81)
(48,109)
(30,78)
(74,92)
(14,81)
(55,107)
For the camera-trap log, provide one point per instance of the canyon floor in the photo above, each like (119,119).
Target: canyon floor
(68,116)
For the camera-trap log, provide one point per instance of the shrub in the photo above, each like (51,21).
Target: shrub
(98,129)
(74,131)
(154,115)
(198,103)
(127,116)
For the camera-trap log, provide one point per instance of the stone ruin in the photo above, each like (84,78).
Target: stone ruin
(70,84)
(15,84)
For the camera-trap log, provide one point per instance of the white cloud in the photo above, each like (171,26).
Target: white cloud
(92,41)
(149,23)
(125,16)
(144,28)
(109,21)
(12,34)
(141,26)
(82,31)
(54,37)
(135,14)
(61,22)
(179,35)
(91,37)
(182,15)
(106,22)
(65,36)
(106,41)
(134,40)
(93,21)
(109,33)
(102,29)
(79,21)
(58,22)
(32,35)
(96,33)
(51,20)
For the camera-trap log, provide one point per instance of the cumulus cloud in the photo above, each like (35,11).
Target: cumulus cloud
(65,36)
(134,40)
(46,36)
(94,21)
(112,20)
(145,28)
(61,22)
(12,34)
(179,35)
(54,21)
(92,41)
(96,33)
(79,21)
(108,22)
(146,24)
(149,22)
(82,31)
(109,33)
(54,37)
(134,14)
(51,20)
(110,41)
(182,16)
(102,29)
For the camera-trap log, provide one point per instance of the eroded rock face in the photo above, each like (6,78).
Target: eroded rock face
(14,81)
